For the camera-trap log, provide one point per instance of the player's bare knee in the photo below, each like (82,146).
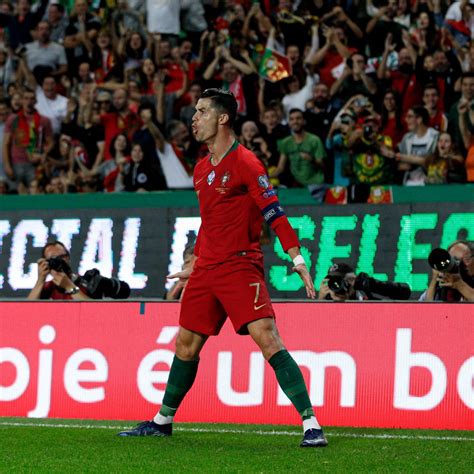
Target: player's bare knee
(189,344)
(267,338)
(186,351)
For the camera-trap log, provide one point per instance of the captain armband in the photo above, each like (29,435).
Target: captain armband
(272,212)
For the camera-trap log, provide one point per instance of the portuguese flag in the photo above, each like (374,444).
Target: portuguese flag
(274,66)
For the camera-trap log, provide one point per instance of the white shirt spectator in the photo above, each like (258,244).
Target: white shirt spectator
(297,100)
(54,109)
(412,144)
(175,174)
(163,16)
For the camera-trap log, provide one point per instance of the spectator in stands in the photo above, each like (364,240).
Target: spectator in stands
(111,172)
(445,165)
(121,119)
(104,61)
(354,79)
(4,112)
(466,128)
(150,138)
(297,94)
(28,138)
(306,155)
(58,161)
(177,154)
(163,16)
(126,19)
(187,112)
(7,70)
(58,22)
(272,132)
(467,96)
(234,73)
(50,104)
(332,55)
(24,22)
(44,53)
(319,113)
(381,25)
(434,106)
(81,32)
(371,154)
(142,173)
(392,124)
(132,50)
(338,143)
(447,66)
(250,138)
(417,144)
(403,79)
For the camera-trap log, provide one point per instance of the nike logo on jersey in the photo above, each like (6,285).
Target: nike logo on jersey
(256,308)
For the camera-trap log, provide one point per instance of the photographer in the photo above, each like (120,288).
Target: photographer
(67,285)
(342,284)
(453,273)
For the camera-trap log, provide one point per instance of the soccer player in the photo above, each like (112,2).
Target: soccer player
(227,279)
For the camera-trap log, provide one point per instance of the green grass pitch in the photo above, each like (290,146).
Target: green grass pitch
(52,445)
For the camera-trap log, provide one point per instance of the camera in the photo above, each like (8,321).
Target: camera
(440,259)
(99,287)
(338,284)
(389,289)
(363,282)
(59,265)
(368,131)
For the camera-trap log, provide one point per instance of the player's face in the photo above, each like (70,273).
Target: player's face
(205,121)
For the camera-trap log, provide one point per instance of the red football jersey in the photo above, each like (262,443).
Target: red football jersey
(234,197)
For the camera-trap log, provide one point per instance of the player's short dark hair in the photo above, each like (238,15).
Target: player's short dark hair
(222,100)
(52,244)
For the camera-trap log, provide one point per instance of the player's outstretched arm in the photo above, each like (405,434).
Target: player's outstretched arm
(302,270)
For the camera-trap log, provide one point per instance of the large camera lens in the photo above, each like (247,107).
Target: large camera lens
(338,284)
(441,260)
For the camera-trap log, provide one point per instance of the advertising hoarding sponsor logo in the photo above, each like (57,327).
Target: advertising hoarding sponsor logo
(365,364)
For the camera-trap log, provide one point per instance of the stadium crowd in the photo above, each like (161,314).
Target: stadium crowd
(344,98)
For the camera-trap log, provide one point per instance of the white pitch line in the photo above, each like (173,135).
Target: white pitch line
(259,432)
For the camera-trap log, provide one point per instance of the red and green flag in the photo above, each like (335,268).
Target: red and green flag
(274,66)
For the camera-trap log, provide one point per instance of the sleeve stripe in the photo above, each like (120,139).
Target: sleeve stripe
(272,212)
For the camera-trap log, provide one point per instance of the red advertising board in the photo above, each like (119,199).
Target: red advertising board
(366,364)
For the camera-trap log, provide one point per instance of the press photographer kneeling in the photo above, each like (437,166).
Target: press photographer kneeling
(342,284)
(452,273)
(66,285)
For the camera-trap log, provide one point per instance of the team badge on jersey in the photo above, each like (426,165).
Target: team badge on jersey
(210,177)
(225,179)
(263,181)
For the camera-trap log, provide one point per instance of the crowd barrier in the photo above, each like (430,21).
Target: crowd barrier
(405,365)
